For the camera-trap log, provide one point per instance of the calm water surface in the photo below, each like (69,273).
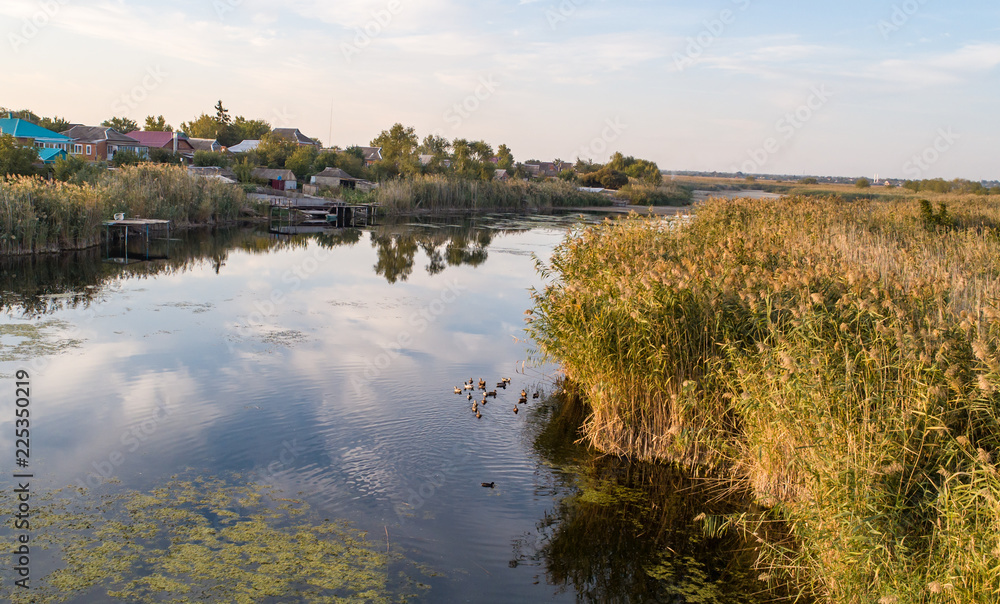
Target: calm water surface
(324,365)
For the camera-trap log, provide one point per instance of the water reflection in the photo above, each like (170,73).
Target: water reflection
(628,533)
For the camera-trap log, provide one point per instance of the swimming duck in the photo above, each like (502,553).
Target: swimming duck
(478,415)
(502,385)
(536,394)
(523,400)
(469,396)
(475,406)
(515,409)
(492,393)
(458,390)
(507,380)
(524,394)
(469,387)
(489,485)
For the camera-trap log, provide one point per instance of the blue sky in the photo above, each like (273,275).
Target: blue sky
(899,88)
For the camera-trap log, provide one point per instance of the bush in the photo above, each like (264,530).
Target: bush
(862,183)
(646,195)
(210,159)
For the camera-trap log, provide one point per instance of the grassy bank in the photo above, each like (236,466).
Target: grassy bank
(837,360)
(40,216)
(437,193)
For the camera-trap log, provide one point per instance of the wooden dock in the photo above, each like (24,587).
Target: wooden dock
(317,212)
(143,228)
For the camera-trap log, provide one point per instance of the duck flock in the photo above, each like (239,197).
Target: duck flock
(470,387)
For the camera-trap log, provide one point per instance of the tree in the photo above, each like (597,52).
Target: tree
(127,158)
(301,161)
(76,169)
(15,158)
(221,114)
(809,181)
(157,124)
(208,159)
(121,124)
(244,129)
(55,124)
(399,146)
(273,151)
(862,183)
(506,158)
(205,126)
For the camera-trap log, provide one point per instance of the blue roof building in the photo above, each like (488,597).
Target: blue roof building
(49,156)
(30,134)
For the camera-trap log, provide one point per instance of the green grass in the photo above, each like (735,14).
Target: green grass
(839,361)
(40,216)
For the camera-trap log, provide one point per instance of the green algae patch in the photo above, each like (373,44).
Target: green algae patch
(198,540)
(24,341)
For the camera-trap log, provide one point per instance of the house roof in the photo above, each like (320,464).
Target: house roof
(96,134)
(335,173)
(294,134)
(22,129)
(274,174)
(205,144)
(48,156)
(156,139)
(247,145)
(371,153)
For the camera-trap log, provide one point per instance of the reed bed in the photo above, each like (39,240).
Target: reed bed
(837,360)
(437,193)
(38,216)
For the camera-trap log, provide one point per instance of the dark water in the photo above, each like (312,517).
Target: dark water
(324,365)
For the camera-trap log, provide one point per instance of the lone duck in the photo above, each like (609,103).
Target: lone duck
(536,394)
(458,390)
(489,485)
(515,409)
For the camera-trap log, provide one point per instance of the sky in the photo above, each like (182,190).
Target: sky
(898,88)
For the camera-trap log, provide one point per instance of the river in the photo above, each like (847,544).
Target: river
(323,368)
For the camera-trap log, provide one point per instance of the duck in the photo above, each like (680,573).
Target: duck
(492,393)
(469,387)
(524,394)
(489,485)
(536,394)
(502,385)
(506,380)
(479,415)
(515,409)
(469,396)
(523,400)
(458,390)
(475,406)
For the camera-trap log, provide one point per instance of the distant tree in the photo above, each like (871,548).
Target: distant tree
(243,170)
(862,183)
(750,178)
(76,169)
(16,159)
(809,181)
(586,167)
(205,126)
(157,124)
(273,151)
(127,158)
(159,155)
(301,161)
(55,124)
(913,185)
(208,159)
(434,145)
(324,160)
(244,129)
(221,114)
(121,124)
(505,157)
(399,146)
(352,161)
(568,175)
(606,177)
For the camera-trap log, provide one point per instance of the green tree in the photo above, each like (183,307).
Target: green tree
(301,161)
(76,169)
(809,181)
(506,158)
(208,159)
(121,124)
(862,183)
(55,124)
(127,158)
(273,151)
(399,146)
(243,170)
(244,129)
(16,158)
(157,124)
(164,156)
(221,114)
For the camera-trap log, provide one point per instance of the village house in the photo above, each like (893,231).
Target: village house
(50,145)
(175,142)
(371,155)
(279,180)
(296,136)
(334,177)
(245,146)
(206,144)
(101,143)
